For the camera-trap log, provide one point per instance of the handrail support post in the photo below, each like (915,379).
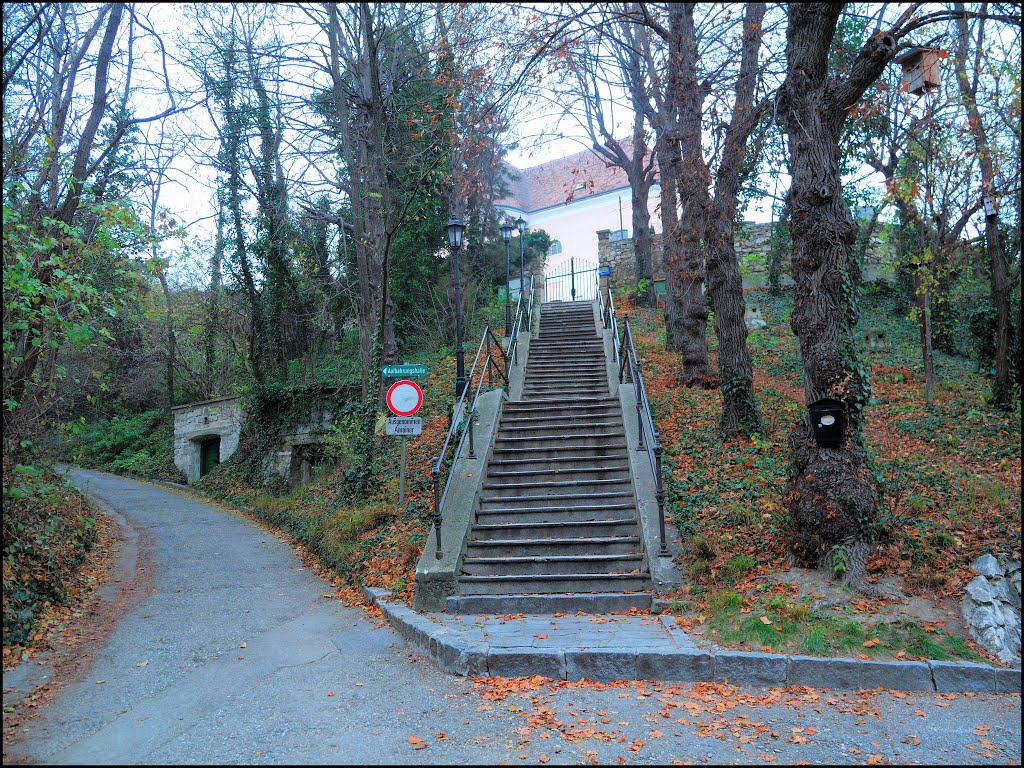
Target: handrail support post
(660,485)
(435,475)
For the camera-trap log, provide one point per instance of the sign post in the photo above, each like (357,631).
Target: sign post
(404,398)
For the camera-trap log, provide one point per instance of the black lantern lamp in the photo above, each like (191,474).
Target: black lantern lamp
(521,226)
(455,229)
(506,235)
(828,422)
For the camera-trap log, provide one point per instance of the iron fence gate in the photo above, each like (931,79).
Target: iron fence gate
(578,283)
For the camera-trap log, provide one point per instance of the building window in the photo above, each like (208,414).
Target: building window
(620,234)
(556,247)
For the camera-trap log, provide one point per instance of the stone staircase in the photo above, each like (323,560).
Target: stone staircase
(556,528)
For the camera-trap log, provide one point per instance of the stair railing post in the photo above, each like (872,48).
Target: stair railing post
(639,418)
(435,475)
(572,276)
(489,381)
(472,455)
(659,483)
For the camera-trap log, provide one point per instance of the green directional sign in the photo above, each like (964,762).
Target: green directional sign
(394,371)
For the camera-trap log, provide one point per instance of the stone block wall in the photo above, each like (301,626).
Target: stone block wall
(753,242)
(196,422)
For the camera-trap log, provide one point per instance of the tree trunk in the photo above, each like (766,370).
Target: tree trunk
(740,415)
(777,252)
(832,495)
(1002,390)
(213,308)
(642,241)
(692,182)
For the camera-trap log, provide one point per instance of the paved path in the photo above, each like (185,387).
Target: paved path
(178,687)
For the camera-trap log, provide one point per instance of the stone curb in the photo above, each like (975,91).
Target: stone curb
(451,654)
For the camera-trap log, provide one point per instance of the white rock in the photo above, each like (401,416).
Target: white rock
(979,590)
(987,565)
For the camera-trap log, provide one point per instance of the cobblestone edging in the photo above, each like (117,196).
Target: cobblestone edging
(454,654)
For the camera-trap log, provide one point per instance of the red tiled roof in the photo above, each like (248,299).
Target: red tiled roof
(556,181)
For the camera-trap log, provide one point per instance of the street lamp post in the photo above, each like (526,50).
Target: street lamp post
(521,226)
(455,228)
(506,235)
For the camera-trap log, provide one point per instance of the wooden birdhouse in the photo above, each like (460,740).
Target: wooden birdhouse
(921,70)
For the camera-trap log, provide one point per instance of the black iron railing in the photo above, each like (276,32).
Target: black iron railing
(573,284)
(647,434)
(462,416)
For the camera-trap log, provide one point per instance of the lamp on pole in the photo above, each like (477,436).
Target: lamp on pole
(521,226)
(506,235)
(455,228)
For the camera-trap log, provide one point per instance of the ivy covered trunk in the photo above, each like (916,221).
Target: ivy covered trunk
(832,494)
(740,415)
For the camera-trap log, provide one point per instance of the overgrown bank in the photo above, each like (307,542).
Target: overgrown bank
(950,477)
(49,529)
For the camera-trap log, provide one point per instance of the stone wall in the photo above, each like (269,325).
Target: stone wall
(196,422)
(753,242)
(300,449)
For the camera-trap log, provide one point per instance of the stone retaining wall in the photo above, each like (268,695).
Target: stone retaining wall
(753,242)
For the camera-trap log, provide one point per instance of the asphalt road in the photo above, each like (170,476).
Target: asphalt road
(230,651)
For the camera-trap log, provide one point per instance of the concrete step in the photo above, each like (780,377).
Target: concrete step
(541,565)
(519,486)
(561,514)
(564,392)
(579,416)
(529,530)
(570,603)
(593,439)
(581,470)
(539,501)
(562,356)
(520,407)
(554,429)
(553,453)
(563,545)
(553,582)
(570,463)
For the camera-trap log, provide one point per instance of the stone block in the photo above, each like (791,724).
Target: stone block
(675,665)
(1008,680)
(601,664)
(452,654)
(951,676)
(897,675)
(819,672)
(855,674)
(740,668)
(525,661)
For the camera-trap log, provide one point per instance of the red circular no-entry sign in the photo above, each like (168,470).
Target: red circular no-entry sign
(404,397)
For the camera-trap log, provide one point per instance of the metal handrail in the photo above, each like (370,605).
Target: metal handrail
(643,408)
(441,495)
(529,309)
(610,321)
(517,327)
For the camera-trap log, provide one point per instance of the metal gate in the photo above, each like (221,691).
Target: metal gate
(578,283)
